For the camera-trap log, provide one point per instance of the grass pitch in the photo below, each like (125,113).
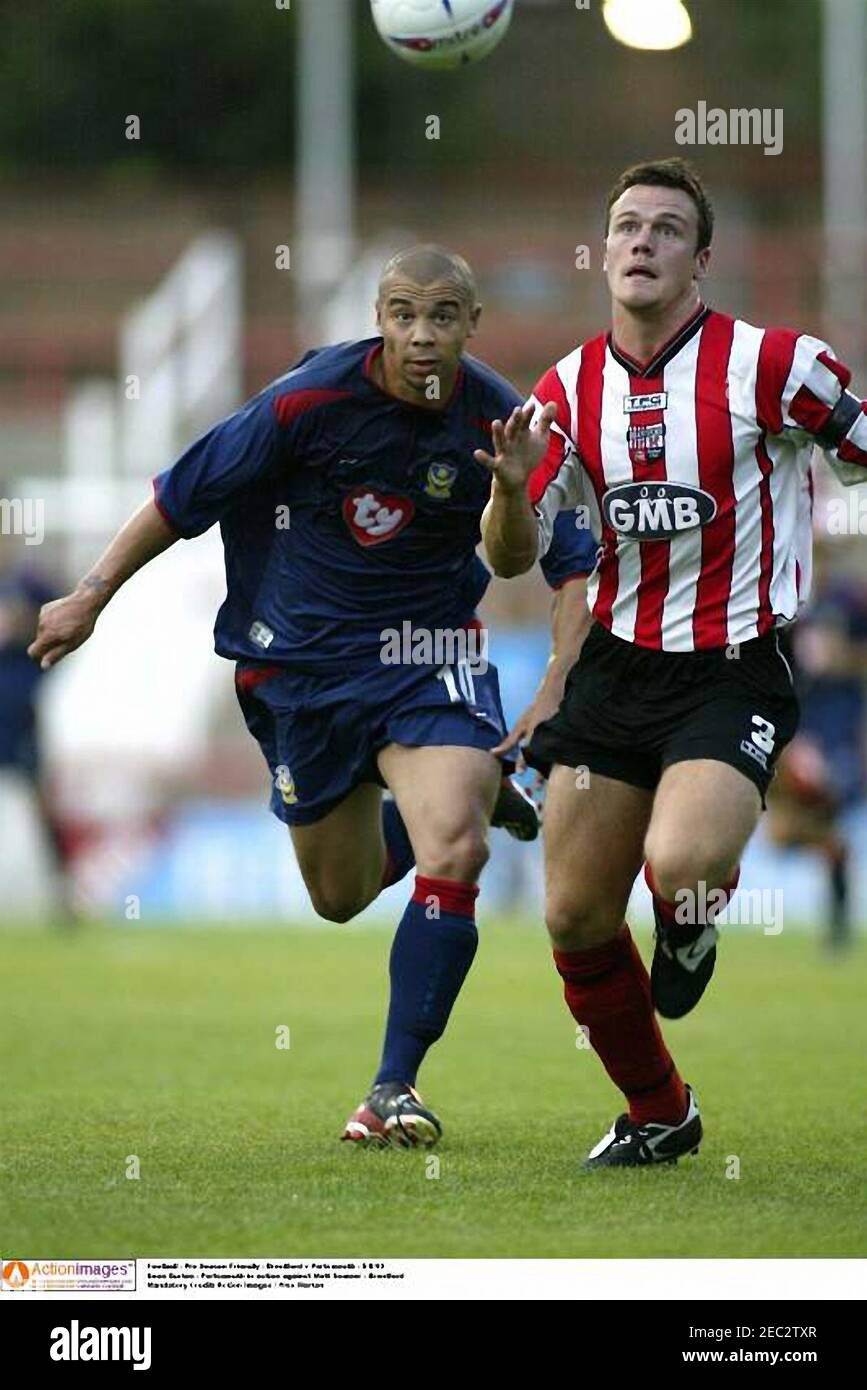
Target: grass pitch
(160,1043)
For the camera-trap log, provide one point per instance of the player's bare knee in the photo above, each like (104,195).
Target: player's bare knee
(460,858)
(574,926)
(337,903)
(677,867)
(335,909)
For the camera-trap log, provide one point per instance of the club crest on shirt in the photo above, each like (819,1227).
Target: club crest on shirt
(646,442)
(374,517)
(440,479)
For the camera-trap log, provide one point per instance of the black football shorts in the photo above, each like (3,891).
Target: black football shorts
(629,712)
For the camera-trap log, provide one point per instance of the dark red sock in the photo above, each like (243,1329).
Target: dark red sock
(668,910)
(608,991)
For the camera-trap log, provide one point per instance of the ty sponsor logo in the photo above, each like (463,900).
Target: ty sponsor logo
(374,517)
(656,511)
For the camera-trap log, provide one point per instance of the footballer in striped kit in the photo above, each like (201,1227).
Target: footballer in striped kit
(685,437)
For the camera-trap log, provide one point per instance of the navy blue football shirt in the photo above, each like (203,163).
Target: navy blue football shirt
(345,511)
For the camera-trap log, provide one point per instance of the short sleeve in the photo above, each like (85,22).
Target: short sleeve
(217,468)
(572,553)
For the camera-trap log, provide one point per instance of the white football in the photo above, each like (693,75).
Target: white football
(442,33)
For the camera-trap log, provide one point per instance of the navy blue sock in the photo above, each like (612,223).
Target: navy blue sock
(399,852)
(432,951)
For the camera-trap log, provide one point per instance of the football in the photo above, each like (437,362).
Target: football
(442,33)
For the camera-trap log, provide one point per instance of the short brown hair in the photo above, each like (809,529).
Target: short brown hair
(667,173)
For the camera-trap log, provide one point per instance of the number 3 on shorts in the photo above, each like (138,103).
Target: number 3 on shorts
(763,734)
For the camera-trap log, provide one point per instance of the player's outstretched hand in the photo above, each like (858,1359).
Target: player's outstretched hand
(544,707)
(63,625)
(519,445)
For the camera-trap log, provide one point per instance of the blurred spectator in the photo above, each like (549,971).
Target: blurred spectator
(37,848)
(821,775)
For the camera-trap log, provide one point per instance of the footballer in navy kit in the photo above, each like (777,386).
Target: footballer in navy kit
(349,502)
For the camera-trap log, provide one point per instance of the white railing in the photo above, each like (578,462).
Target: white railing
(140,697)
(180,366)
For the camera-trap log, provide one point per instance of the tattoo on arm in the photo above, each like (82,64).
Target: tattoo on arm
(96,585)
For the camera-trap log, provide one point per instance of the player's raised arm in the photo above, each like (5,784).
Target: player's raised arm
(68,622)
(509,525)
(189,497)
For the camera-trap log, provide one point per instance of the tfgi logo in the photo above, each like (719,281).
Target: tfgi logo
(653,400)
(656,511)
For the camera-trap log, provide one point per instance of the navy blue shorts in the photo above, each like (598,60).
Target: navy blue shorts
(321,736)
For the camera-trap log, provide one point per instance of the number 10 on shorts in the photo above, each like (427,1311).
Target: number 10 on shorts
(461,689)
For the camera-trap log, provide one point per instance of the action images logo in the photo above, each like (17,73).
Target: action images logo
(92,1276)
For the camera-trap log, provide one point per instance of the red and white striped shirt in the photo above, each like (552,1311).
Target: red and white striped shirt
(694,474)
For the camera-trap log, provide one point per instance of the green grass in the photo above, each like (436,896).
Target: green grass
(161,1043)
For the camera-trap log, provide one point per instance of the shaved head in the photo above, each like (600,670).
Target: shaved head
(427,307)
(430,265)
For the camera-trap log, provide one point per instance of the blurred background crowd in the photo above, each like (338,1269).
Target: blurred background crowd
(195,195)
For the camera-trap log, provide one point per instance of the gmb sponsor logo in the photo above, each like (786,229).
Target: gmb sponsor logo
(656,511)
(76,1343)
